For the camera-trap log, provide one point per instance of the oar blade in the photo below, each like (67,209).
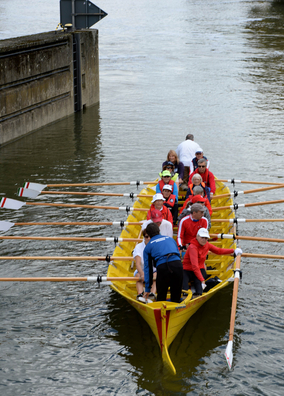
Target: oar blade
(229,354)
(27,192)
(6,225)
(34,186)
(8,203)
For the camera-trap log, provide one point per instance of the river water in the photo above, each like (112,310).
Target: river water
(211,68)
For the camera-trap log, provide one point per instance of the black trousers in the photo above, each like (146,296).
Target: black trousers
(189,276)
(169,275)
(174,211)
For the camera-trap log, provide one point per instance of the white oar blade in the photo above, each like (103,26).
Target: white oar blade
(5,225)
(35,186)
(229,354)
(27,192)
(8,203)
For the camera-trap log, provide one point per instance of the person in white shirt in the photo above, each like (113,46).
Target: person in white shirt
(186,152)
(139,272)
(166,227)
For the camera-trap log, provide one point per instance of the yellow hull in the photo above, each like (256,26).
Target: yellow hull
(166,319)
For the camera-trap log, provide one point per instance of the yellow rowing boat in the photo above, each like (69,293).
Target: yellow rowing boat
(165,318)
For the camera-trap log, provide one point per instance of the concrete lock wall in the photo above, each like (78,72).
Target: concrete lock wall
(37,79)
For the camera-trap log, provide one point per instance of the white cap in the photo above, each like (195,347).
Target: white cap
(203,233)
(199,150)
(157,196)
(167,187)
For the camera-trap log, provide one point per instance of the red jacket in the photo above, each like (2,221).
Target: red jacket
(188,229)
(207,178)
(166,213)
(207,204)
(195,256)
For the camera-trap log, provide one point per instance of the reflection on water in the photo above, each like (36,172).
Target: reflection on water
(210,68)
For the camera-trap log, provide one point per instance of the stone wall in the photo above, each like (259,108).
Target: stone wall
(37,80)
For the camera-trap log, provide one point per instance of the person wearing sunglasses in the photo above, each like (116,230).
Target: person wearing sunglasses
(198,156)
(139,272)
(166,178)
(207,176)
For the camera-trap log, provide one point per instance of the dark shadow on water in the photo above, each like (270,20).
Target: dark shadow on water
(203,333)
(69,150)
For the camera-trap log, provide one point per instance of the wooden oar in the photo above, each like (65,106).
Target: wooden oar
(229,349)
(97,278)
(6,225)
(246,182)
(237,206)
(236,193)
(8,203)
(29,193)
(68,258)
(256,255)
(237,220)
(245,238)
(81,239)
(39,187)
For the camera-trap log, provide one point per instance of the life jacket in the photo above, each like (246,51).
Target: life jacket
(202,184)
(170,201)
(162,183)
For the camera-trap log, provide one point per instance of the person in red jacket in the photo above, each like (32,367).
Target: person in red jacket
(189,226)
(194,260)
(207,176)
(158,203)
(170,201)
(197,198)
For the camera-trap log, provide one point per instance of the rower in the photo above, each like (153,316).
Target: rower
(139,272)
(170,201)
(186,209)
(166,179)
(207,176)
(158,203)
(189,226)
(162,253)
(194,269)
(165,226)
(198,156)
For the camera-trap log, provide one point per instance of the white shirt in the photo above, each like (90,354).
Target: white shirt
(186,151)
(166,227)
(138,251)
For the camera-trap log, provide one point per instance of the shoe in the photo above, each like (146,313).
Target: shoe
(152,296)
(140,296)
